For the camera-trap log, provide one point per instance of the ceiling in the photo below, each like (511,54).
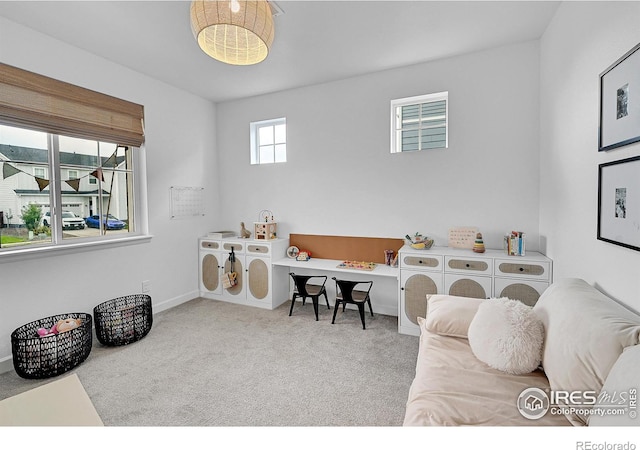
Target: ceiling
(315,41)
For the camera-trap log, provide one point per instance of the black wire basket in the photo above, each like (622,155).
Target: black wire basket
(38,357)
(123,320)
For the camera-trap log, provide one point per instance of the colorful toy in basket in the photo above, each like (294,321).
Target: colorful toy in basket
(60,327)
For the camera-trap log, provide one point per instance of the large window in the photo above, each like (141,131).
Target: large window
(419,123)
(70,165)
(88,194)
(269,141)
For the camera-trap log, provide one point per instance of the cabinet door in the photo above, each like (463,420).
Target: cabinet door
(258,279)
(210,271)
(467,286)
(527,291)
(236,293)
(414,288)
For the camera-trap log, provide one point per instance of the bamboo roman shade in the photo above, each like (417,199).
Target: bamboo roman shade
(33,101)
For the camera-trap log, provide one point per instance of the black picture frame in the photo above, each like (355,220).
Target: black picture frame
(619,202)
(620,102)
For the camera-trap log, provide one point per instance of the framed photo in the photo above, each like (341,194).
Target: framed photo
(619,202)
(620,102)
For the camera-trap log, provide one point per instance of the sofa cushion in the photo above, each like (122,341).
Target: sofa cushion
(449,315)
(507,335)
(585,333)
(620,390)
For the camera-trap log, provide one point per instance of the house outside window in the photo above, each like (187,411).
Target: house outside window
(420,123)
(269,141)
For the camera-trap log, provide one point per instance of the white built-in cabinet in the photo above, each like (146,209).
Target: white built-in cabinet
(461,272)
(259,282)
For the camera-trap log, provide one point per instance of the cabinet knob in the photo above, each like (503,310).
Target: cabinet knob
(467,265)
(521,269)
(402,289)
(419,261)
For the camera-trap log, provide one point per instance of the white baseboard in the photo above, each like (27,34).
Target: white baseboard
(6,363)
(173,302)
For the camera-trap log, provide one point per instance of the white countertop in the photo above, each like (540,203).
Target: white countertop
(331,265)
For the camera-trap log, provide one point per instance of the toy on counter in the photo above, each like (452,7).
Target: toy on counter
(358,265)
(61,326)
(303,255)
(267,229)
(419,242)
(478,245)
(244,233)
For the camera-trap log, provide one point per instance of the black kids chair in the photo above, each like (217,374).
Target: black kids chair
(303,289)
(345,293)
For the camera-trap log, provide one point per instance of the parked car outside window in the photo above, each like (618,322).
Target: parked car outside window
(69,221)
(109,222)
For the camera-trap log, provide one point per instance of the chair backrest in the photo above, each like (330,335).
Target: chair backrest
(301,282)
(346,288)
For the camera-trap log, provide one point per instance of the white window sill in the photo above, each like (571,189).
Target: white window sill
(23,253)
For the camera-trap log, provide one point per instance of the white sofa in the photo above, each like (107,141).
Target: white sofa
(590,346)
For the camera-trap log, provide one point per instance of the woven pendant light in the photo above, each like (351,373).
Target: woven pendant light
(235,32)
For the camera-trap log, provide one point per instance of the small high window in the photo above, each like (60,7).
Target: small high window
(269,141)
(419,123)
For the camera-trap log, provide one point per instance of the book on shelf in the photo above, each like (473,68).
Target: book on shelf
(515,243)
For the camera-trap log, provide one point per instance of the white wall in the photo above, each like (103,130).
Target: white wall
(180,150)
(340,178)
(583,40)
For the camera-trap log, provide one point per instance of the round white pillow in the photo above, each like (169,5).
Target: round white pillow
(507,335)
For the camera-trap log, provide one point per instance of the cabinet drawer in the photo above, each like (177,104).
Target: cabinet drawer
(213,245)
(479,266)
(540,270)
(237,247)
(527,291)
(427,262)
(259,249)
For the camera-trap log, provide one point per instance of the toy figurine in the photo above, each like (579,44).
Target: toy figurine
(478,245)
(244,233)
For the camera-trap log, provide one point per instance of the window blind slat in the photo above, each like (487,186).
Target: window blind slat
(33,101)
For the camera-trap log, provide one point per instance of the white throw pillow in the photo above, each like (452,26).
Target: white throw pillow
(507,335)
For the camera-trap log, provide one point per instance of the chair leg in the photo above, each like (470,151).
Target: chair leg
(335,311)
(370,308)
(327,300)
(315,305)
(293,301)
(361,311)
